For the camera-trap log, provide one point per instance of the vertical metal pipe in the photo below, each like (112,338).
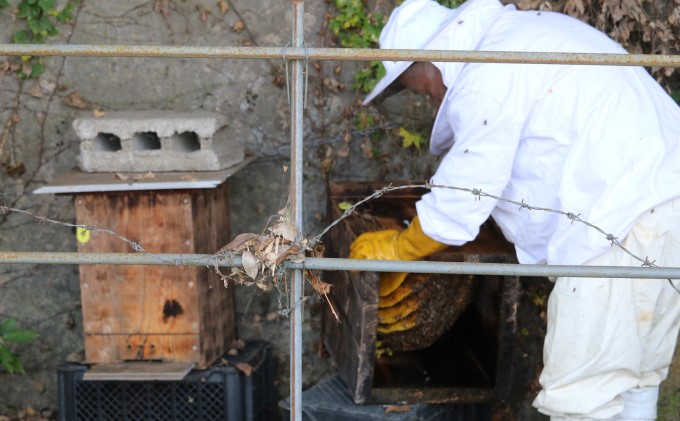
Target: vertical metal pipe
(295,192)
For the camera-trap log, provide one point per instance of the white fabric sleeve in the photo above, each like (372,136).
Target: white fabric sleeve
(486,139)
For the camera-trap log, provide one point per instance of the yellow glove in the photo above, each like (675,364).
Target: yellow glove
(409,244)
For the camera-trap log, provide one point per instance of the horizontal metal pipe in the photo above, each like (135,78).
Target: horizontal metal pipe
(505,269)
(359,54)
(73,258)
(345,264)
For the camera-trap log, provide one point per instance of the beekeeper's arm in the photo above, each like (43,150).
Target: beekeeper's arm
(481,158)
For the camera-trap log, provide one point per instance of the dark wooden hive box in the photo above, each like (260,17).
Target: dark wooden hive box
(470,362)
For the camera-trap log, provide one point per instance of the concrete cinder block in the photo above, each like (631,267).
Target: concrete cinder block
(140,141)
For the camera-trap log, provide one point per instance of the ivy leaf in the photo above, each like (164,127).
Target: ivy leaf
(410,138)
(21,37)
(35,25)
(37,69)
(46,4)
(20,336)
(7,326)
(3,4)
(10,361)
(65,14)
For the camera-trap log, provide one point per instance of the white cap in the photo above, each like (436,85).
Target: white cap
(414,25)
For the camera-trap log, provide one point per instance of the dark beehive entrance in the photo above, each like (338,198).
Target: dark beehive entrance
(469,362)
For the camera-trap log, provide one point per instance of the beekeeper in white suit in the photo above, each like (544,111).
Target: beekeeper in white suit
(600,142)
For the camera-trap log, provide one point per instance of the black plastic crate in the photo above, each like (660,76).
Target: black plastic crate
(330,400)
(220,392)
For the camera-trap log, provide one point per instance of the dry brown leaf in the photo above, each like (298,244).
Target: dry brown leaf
(268,245)
(297,257)
(35,91)
(574,6)
(367,148)
(237,26)
(224,6)
(240,242)
(322,288)
(16,169)
(26,68)
(319,286)
(249,262)
(397,408)
(287,231)
(238,344)
(189,177)
(98,113)
(146,176)
(343,151)
(120,176)
(76,101)
(289,251)
(244,368)
(326,164)
(235,273)
(333,85)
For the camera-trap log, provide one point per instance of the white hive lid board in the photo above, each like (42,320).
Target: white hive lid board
(76,181)
(139,371)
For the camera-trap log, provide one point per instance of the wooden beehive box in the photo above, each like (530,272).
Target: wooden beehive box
(157,313)
(470,362)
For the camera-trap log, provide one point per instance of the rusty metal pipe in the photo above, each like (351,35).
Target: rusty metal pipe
(354,54)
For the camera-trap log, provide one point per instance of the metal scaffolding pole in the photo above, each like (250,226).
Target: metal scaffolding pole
(325,263)
(296,209)
(355,54)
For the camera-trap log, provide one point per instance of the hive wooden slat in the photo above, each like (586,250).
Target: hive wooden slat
(168,313)
(473,366)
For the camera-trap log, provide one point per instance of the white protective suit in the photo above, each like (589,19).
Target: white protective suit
(601,142)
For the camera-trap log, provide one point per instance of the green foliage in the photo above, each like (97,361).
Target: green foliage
(10,333)
(450,3)
(366,78)
(411,138)
(364,120)
(539,300)
(676,96)
(41,17)
(355,27)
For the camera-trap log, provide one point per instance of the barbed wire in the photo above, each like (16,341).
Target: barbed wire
(210,260)
(136,246)
(477,193)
